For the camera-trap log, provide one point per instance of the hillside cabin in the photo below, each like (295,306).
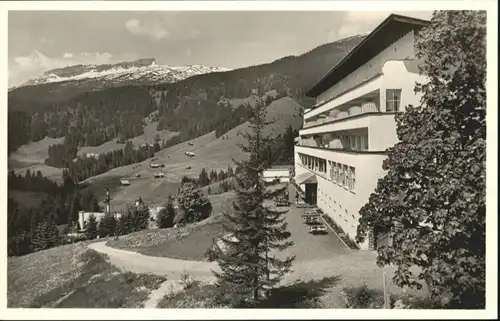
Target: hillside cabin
(125,182)
(189,154)
(155,165)
(159,175)
(280,173)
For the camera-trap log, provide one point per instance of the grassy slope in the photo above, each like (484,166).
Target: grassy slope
(32,157)
(148,137)
(188,242)
(73,276)
(211,153)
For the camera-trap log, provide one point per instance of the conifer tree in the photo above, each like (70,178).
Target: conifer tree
(247,252)
(91,227)
(107,225)
(166,215)
(46,235)
(203,178)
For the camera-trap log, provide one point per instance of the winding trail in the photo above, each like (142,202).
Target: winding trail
(170,268)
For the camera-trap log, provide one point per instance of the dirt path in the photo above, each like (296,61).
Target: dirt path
(171,268)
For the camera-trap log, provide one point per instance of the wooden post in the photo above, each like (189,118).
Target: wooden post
(384,282)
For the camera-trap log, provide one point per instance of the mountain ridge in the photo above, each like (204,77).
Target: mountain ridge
(146,70)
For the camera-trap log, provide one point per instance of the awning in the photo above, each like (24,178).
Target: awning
(306,178)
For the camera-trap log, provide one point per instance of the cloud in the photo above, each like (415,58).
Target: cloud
(36,63)
(188,53)
(154,31)
(363,22)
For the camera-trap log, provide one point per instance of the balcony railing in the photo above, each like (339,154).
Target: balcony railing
(342,149)
(336,114)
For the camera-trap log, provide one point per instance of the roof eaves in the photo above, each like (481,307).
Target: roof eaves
(392,17)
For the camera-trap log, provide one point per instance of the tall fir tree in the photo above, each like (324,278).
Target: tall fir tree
(203,179)
(91,228)
(107,225)
(46,235)
(254,232)
(432,198)
(166,215)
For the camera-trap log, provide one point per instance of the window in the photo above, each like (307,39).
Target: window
(352,142)
(393,99)
(346,175)
(364,142)
(349,177)
(358,143)
(352,182)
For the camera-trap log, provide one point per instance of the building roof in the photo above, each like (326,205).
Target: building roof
(388,32)
(279,167)
(306,178)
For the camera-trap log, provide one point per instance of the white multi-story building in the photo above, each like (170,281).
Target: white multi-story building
(341,147)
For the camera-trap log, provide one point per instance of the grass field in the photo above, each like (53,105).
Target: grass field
(26,280)
(74,277)
(188,243)
(34,152)
(148,137)
(32,157)
(236,102)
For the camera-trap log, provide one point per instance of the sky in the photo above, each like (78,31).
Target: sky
(42,40)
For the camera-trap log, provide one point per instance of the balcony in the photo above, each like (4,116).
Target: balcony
(380,128)
(353,140)
(365,91)
(368,103)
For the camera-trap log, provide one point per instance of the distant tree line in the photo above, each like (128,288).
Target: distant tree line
(135,219)
(89,119)
(32,228)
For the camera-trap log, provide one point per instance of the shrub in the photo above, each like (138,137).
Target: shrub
(193,205)
(362,297)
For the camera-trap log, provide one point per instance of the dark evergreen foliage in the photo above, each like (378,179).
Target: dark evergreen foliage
(246,254)
(91,228)
(167,215)
(193,205)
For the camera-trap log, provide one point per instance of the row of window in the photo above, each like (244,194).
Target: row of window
(313,163)
(392,100)
(343,175)
(358,142)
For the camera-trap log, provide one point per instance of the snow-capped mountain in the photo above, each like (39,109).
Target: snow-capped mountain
(137,72)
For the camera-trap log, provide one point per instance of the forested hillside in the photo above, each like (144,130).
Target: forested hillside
(194,106)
